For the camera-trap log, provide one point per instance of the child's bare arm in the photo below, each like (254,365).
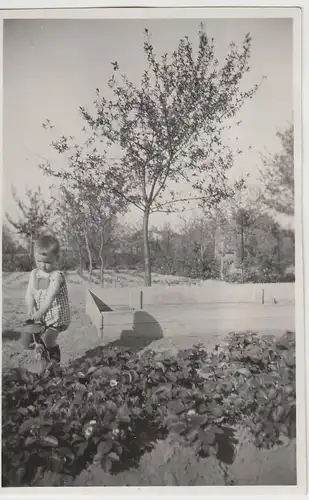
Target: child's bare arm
(30,302)
(53,289)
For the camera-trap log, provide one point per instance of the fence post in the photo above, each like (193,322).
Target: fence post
(141,299)
(262,296)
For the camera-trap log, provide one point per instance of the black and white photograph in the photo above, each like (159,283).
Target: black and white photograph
(152,279)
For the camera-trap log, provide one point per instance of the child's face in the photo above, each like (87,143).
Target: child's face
(46,262)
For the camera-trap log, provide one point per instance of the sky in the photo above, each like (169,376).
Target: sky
(51,67)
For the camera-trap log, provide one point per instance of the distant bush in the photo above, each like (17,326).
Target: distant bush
(20,262)
(68,261)
(288,278)
(260,275)
(8,263)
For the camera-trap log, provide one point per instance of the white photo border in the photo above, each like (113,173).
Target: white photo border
(199,8)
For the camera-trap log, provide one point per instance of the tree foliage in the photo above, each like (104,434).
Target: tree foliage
(8,244)
(35,215)
(167,130)
(9,249)
(278,175)
(88,217)
(264,250)
(170,126)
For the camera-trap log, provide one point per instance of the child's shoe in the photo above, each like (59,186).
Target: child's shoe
(55,358)
(54,353)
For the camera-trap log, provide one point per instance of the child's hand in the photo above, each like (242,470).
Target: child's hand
(36,316)
(31,312)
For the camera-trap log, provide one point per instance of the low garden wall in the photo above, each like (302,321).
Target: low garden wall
(189,310)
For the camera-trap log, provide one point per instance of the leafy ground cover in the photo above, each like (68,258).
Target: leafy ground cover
(110,409)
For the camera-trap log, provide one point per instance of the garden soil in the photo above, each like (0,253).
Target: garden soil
(262,467)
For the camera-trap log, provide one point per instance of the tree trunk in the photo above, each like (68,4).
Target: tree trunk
(242,254)
(242,249)
(214,245)
(222,261)
(101,260)
(147,261)
(80,256)
(89,257)
(101,271)
(31,246)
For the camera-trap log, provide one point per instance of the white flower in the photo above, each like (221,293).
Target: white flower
(191,412)
(113,383)
(88,432)
(115,432)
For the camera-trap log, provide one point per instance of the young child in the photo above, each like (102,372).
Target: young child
(47,295)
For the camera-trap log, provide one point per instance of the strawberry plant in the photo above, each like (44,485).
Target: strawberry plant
(110,409)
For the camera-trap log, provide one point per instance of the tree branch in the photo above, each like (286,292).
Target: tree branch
(193,198)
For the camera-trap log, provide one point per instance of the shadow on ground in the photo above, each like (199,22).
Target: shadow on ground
(9,334)
(145,330)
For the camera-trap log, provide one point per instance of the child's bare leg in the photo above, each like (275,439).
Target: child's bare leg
(50,337)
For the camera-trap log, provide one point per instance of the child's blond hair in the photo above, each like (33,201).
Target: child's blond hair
(47,244)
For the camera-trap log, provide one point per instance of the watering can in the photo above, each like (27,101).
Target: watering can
(36,330)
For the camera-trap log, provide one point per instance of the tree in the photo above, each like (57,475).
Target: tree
(69,225)
(164,252)
(35,215)
(195,248)
(264,250)
(8,244)
(278,175)
(264,241)
(244,218)
(90,215)
(9,249)
(128,246)
(102,218)
(169,129)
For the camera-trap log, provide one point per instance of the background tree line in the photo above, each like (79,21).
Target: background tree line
(265,252)
(240,241)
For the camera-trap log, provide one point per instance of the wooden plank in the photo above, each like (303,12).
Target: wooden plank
(100,304)
(129,298)
(117,298)
(158,322)
(94,313)
(131,326)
